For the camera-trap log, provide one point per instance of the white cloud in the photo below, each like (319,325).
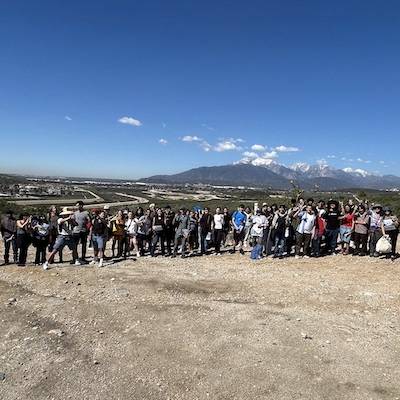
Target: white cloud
(163,141)
(332,157)
(270,154)
(208,127)
(238,140)
(343,158)
(250,154)
(359,159)
(287,149)
(205,146)
(191,139)
(321,161)
(381,162)
(367,162)
(68,118)
(226,145)
(130,121)
(258,147)
(164,125)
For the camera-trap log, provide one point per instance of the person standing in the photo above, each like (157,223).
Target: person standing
(331,217)
(42,236)
(52,217)
(226,226)
(280,223)
(375,228)
(182,223)
(169,230)
(259,224)
(65,226)
(205,222)
(9,234)
(360,228)
(346,219)
(390,227)
(24,239)
(217,226)
(82,218)
(157,226)
(238,222)
(305,230)
(98,227)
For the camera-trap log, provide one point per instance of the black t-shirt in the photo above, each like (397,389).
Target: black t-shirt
(332,221)
(98,227)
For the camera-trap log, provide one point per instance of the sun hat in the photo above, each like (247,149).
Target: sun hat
(66,211)
(387,208)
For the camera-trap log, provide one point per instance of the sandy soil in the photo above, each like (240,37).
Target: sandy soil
(202,328)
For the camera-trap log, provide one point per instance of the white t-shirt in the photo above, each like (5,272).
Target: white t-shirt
(307,222)
(218,221)
(259,223)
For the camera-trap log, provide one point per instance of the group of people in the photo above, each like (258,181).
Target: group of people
(304,227)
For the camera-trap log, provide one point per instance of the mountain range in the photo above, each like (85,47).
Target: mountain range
(263,173)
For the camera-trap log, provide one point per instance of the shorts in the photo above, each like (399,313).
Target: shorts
(345,234)
(98,242)
(238,235)
(63,241)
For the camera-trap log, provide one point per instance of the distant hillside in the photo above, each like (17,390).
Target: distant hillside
(227,175)
(270,174)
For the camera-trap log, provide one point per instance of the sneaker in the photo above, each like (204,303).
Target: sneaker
(92,262)
(306,256)
(296,257)
(137,254)
(46,265)
(101,263)
(78,262)
(241,251)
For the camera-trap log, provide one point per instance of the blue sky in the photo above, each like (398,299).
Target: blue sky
(129,89)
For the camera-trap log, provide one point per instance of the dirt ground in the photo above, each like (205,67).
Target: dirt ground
(202,328)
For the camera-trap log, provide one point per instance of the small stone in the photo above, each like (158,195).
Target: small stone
(57,332)
(2,376)
(305,336)
(95,362)
(12,300)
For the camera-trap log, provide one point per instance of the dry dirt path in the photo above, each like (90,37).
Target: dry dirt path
(202,328)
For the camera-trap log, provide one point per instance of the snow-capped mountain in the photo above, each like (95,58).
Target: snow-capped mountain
(260,172)
(359,172)
(346,177)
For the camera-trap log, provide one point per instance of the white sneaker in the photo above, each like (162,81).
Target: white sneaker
(92,262)
(78,262)
(296,257)
(46,265)
(101,263)
(306,256)
(137,254)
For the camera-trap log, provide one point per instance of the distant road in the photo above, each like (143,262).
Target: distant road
(97,200)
